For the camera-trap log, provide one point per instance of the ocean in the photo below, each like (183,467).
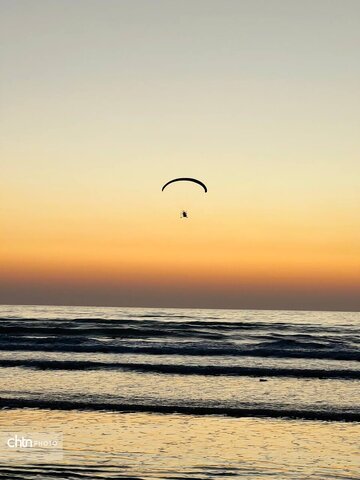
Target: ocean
(144,393)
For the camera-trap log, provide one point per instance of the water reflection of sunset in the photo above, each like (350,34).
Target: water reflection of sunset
(163,445)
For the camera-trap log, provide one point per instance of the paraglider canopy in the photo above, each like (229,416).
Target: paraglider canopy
(185,179)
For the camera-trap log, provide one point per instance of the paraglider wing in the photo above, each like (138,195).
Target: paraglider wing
(186,180)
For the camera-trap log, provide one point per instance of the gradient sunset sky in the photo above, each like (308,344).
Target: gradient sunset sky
(103,101)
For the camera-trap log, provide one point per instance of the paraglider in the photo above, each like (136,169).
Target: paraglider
(184,213)
(185,179)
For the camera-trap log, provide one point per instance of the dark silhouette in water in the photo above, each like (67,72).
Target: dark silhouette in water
(184,214)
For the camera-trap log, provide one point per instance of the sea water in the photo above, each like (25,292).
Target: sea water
(180,393)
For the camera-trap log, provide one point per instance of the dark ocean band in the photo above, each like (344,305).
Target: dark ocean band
(212,370)
(270,351)
(182,409)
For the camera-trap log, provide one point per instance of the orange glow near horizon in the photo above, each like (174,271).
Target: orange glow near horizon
(169,254)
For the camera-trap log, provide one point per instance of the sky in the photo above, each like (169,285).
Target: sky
(102,102)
